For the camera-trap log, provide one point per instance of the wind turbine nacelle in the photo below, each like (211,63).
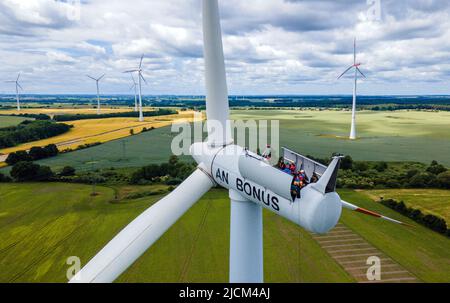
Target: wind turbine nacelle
(256,180)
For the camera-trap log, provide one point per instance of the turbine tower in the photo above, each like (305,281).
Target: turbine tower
(18,86)
(357,70)
(134,87)
(252,182)
(97,80)
(140,77)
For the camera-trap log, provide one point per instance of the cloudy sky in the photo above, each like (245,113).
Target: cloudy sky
(271,46)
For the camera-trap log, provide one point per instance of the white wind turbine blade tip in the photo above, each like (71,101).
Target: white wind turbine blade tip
(142,76)
(101,77)
(370,213)
(140,63)
(143,231)
(361,72)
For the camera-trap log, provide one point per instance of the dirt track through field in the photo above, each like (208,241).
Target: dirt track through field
(351,251)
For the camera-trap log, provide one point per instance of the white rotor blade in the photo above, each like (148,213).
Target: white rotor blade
(101,77)
(91,77)
(132,78)
(141,233)
(18,76)
(217,107)
(131,71)
(345,72)
(354,51)
(140,63)
(142,77)
(370,213)
(19,85)
(361,72)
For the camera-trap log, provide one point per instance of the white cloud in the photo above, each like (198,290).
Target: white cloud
(270,45)
(59,57)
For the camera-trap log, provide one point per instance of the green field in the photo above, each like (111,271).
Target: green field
(37,235)
(431,201)
(422,251)
(139,150)
(6,121)
(61,220)
(388,136)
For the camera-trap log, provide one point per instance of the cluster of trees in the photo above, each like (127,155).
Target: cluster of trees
(29,131)
(172,173)
(35,153)
(431,221)
(34,116)
(25,171)
(129,114)
(378,175)
(29,171)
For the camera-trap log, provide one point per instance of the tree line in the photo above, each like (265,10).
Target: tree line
(431,221)
(29,131)
(35,153)
(33,116)
(370,175)
(129,114)
(171,173)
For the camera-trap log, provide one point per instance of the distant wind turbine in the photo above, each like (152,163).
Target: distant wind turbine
(357,70)
(140,77)
(17,90)
(97,80)
(134,86)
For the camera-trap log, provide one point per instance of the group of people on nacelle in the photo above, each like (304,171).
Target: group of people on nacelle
(300,178)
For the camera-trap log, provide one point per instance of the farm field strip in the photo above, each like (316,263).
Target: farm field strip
(382,136)
(101,130)
(66,110)
(432,201)
(359,255)
(6,121)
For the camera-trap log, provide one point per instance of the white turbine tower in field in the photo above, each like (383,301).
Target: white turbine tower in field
(18,86)
(140,77)
(134,87)
(252,182)
(97,80)
(357,70)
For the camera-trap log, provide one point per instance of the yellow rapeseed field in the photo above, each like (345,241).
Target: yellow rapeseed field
(101,130)
(66,110)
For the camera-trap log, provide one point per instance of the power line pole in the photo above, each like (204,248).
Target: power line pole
(93,179)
